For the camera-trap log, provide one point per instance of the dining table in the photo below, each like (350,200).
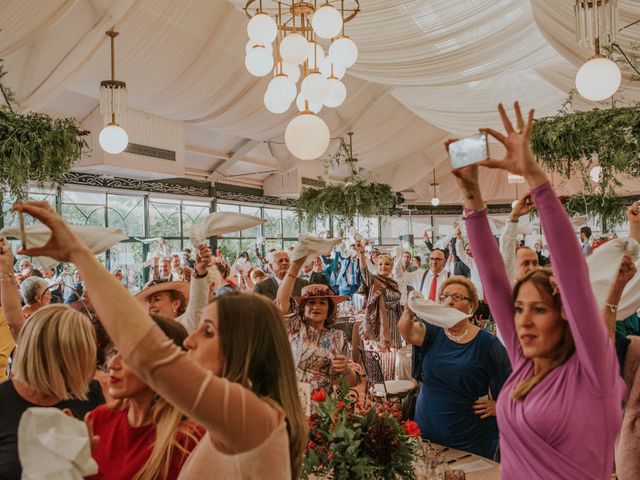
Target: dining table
(474,466)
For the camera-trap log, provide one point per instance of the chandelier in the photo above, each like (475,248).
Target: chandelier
(311,46)
(113,103)
(596,26)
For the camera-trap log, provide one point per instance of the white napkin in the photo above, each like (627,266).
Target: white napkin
(434,313)
(397,252)
(98,239)
(312,247)
(52,445)
(219,223)
(604,264)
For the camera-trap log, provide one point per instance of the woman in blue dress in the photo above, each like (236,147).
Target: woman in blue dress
(462,370)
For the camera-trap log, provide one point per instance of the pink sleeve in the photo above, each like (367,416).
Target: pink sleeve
(594,349)
(497,289)
(231,413)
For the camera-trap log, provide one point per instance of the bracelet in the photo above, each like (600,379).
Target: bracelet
(612,308)
(512,220)
(203,275)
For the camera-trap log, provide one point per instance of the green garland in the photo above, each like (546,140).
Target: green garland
(34,147)
(574,142)
(357,197)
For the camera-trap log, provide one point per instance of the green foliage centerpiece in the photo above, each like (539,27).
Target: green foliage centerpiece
(576,142)
(34,146)
(348,442)
(357,197)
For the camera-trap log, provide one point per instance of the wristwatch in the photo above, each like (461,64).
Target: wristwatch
(197,275)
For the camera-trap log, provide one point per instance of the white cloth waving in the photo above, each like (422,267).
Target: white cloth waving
(219,223)
(604,264)
(312,247)
(52,445)
(434,313)
(98,239)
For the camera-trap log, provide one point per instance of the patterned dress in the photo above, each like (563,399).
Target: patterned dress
(313,350)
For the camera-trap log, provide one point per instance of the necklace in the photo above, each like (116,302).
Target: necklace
(455,338)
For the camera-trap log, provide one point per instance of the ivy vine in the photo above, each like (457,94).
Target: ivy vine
(34,146)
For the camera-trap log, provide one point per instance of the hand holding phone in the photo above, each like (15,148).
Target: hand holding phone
(469,150)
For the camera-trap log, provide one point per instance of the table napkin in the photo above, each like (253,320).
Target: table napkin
(54,446)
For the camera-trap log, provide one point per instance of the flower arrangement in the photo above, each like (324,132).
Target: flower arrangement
(348,442)
(34,146)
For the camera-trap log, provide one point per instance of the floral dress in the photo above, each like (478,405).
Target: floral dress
(313,350)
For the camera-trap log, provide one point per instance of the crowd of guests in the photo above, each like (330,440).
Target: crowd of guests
(197,375)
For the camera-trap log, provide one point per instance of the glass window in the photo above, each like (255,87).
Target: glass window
(230,249)
(254,231)
(127,213)
(84,208)
(10,217)
(127,256)
(290,226)
(368,228)
(164,219)
(193,214)
(273,226)
(272,243)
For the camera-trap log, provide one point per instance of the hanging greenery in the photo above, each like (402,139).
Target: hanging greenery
(573,143)
(356,197)
(34,146)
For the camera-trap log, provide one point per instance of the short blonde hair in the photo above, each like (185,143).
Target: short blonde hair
(56,352)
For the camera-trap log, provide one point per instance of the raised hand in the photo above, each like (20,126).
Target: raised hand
(6,257)
(203,259)
(519,159)
(522,207)
(63,243)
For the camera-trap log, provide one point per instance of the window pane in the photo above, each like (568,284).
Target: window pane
(290,225)
(84,208)
(226,207)
(254,231)
(368,228)
(230,249)
(10,217)
(127,256)
(127,213)
(164,219)
(272,243)
(192,214)
(272,229)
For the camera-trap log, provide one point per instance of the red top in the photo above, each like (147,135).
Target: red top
(123,449)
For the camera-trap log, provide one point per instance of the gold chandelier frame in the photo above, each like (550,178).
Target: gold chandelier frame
(286,12)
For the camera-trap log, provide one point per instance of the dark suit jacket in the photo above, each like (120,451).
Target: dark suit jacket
(269,287)
(318,277)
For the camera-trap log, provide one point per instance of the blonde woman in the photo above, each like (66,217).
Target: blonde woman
(54,365)
(142,437)
(237,378)
(560,410)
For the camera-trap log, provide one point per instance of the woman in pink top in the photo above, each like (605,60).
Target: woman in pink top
(237,378)
(560,410)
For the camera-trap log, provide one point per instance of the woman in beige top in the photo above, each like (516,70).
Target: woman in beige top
(237,378)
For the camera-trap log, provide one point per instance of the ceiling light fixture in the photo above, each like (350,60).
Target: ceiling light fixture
(299,28)
(113,103)
(596,25)
(435,201)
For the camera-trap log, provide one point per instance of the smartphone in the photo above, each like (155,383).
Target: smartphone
(469,150)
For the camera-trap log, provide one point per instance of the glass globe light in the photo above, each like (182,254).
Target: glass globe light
(291,71)
(274,107)
(113,139)
(294,49)
(307,136)
(314,59)
(327,22)
(262,29)
(325,69)
(598,79)
(315,88)
(596,174)
(251,45)
(314,107)
(259,62)
(281,90)
(337,93)
(435,201)
(343,52)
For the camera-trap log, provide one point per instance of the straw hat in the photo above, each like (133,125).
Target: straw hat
(319,290)
(181,287)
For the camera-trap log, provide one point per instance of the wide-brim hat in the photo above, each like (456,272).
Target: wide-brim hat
(182,287)
(319,290)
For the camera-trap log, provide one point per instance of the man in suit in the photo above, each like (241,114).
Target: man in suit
(348,272)
(428,282)
(278,266)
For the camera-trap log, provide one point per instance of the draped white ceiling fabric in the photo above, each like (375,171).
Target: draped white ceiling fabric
(427,70)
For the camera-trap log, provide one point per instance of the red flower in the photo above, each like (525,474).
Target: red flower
(311,444)
(411,428)
(319,395)
(329,455)
(340,405)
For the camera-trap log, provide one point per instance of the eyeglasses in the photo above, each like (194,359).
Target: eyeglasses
(436,259)
(456,297)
